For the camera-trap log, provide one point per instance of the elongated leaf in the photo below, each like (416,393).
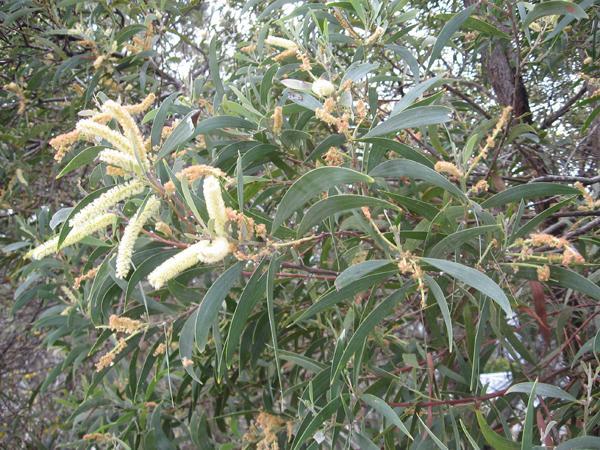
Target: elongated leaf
(186,343)
(180,135)
(527,436)
(475,279)
(274,265)
(412,95)
(316,422)
(213,69)
(303,361)
(358,71)
(266,83)
(212,301)
(411,169)
(469,437)
(538,219)
(386,411)
(562,24)
(161,117)
(497,441)
(408,57)
(335,296)
(367,325)
(554,8)
(566,278)
(81,159)
(454,241)
(220,122)
(398,147)
(312,183)
(335,140)
(250,295)
(433,437)
(338,204)
(304,99)
(525,191)
(440,298)
(583,443)
(358,271)
(411,118)
(419,207)
(297,85)
(542,389)
(475,24)
(364,442)
(449,29)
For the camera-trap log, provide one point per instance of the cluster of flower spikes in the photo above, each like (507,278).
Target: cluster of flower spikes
(129,155)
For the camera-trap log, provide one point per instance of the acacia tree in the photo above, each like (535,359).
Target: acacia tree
(326,235)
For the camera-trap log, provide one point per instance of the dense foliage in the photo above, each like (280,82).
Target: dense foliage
(301,224)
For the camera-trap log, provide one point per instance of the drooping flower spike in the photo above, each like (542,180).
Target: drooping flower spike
(206,251)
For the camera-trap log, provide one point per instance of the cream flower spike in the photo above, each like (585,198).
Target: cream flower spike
(107,200)
(132,230)
(275,41)
(205,251)
(119,159)
(76,235)
(215,205)
(129,126)
(90,129)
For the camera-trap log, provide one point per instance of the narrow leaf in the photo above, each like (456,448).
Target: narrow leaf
(338,204)
(357,271)
(554,8)
(367,325)
(542,389)
(411,169)
(526,191)
(309,185)
(411,118)
(475,279)
(447,31)
(212,301)
(386,411)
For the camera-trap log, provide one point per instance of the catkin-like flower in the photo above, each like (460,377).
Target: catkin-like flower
(124,324)
(69,294)
(63,143)
(449,168)
(214,251)
(77,234)
(215,205)
(275,41)
(375,36)
(143,106)
(277,119)
(196,171)
(543,273)
(119,159)
(106,200)
(202,251)
(131,233)
(91,129)
(129,127)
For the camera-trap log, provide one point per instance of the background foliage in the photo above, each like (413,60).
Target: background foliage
(347,327)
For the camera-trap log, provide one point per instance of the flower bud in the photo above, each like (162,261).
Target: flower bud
(323,88)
